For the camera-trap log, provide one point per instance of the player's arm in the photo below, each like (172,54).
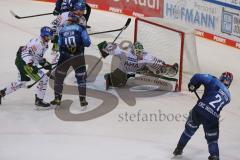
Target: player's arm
(56,23)
(109,49)
(27,57)
(85,38)
(198,80)
(45,64)
(57,9)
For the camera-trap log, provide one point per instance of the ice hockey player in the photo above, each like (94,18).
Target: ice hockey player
(27,60)
(78,10)
(133,60)
(207,111)
(72,40)
(68,5)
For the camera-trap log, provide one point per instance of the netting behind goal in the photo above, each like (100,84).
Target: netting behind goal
(171,43)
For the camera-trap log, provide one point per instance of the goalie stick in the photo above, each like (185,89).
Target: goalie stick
(121,30)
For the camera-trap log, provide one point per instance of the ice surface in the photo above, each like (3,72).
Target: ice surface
(27,134)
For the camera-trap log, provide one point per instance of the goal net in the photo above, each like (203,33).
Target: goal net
(171,43)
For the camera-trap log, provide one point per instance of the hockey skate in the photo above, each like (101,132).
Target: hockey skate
(2,94)
(56,101)
(213,158)
(83,103)
(41,105)
(178,150)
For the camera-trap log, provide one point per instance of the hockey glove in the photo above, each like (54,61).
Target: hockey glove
(46,65)
(55,38)
(32,72)
(102,48)
(191,87)
(56,12)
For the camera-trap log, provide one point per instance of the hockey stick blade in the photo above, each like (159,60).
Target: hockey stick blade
(127,23)
(14,15)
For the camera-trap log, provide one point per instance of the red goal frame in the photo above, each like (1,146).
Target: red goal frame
(178,86)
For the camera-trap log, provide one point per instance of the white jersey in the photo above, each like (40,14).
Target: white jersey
(62,19)
(129,61)
(34,51)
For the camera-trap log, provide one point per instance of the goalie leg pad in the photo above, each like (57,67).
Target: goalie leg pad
(118,78)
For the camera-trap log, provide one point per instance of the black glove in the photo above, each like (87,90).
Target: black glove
(46,65)
(56,12)
(102,48)
(55,38)
(191,87)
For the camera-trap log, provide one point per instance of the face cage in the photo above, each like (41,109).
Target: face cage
(49,37)
(138,52)
(226,80)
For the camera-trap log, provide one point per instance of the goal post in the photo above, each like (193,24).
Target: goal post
(170,42)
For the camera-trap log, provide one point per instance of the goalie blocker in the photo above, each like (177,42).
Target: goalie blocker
(134,60)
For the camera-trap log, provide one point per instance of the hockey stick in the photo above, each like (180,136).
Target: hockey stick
(122,29)
(109,31)
(48,74)
(36,15)
(195,92)
(51,64)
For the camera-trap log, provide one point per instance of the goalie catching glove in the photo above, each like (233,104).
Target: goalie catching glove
(102,48)
(106,48)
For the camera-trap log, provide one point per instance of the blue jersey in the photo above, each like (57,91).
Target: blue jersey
(66,5)
(73,38)
(216,95)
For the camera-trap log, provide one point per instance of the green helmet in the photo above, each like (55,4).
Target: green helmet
(138,48)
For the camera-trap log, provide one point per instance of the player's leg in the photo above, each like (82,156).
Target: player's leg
(191,127)
(79,67)
(170,70)
(40,91)
(211,129)
(60,74)
(14,86)
(117,78)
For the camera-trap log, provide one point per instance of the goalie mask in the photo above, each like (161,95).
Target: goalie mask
(138,49)
(226,78)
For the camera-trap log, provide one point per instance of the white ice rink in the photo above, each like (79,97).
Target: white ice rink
(27,134)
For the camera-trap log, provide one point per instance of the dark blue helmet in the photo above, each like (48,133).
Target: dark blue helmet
(79,6)
(226,78)
(46,31)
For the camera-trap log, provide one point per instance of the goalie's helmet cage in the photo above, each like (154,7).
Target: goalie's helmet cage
(170,42)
